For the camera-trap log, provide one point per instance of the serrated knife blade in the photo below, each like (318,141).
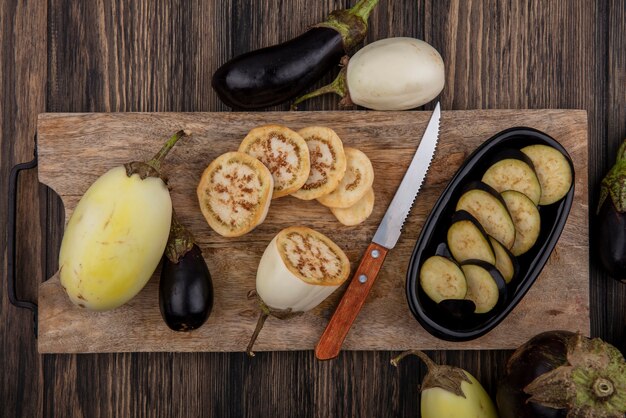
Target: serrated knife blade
(390,227)
(386,237)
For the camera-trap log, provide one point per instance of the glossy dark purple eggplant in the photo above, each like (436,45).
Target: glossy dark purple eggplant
(611,218)
(279,73)
(433,233)
(185,289)
(532,375)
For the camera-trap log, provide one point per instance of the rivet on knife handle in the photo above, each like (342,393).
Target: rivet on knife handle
(348,309)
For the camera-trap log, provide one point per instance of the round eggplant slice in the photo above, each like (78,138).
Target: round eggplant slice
(442,279)
(328,162)
(553,170)
(358,212)
(234,193)
(284,152)
(487,206)
(357,180)
(506,263)
(513,170)
(467,239)
(526,218)
(485,285)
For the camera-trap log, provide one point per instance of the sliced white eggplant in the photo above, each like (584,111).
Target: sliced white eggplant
(357,180)
(505,261)
(442,279)
(467,240)
(234,192)
(488,207)
(553,170)
(284,152)
(358,212)
(328,162)
(514,171)
(485,286)
(526,218)
(298,270)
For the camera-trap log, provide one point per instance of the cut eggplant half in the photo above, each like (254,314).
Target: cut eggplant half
(485,285)
(442,278)
(467,240)
(526,218)
(514,170)
(553,170)
(506,263)
(487,206)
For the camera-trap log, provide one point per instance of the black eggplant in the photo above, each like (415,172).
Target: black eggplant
(560,374)
(611,218)
(185,289)
(276,74)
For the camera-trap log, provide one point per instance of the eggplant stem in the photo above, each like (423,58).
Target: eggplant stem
(156,161)
(363,8)
(179,242)
(338,86)
(257,330)
(430,365)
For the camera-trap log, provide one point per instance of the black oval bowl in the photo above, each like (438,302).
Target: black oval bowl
(553,218)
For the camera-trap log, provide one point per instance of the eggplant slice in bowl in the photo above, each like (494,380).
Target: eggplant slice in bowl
(454,319)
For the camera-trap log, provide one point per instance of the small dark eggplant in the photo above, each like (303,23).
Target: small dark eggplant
(277,74)
(611,218)
(559,374)
(185,289)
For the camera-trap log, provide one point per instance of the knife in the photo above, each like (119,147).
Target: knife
(385,239)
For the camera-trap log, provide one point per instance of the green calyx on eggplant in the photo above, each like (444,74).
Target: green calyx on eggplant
(448,391)
(611,218)
(277,74)
(563,374)
(185,289)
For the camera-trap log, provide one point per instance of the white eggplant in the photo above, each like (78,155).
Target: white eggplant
(116,236)
(298,270)
(450,392)
(389,74)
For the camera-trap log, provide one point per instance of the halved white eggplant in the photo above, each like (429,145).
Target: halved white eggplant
(298,270)
(553,170)
(487,206)
(485,285)
(284,152)
(526,218)
(506,263)
(467,239)
(358,212)
(513,170)
(328,162)
(441,279)
(357,180)
(234,192)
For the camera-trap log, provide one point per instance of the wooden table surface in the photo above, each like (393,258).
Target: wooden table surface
(145,55)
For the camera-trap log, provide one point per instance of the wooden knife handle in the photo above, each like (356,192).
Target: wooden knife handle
(350,305)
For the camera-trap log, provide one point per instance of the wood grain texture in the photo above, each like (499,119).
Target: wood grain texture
(22,96)
(119,55)
(76,149)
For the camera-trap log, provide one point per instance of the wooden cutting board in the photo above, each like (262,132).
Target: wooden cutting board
(74,149)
